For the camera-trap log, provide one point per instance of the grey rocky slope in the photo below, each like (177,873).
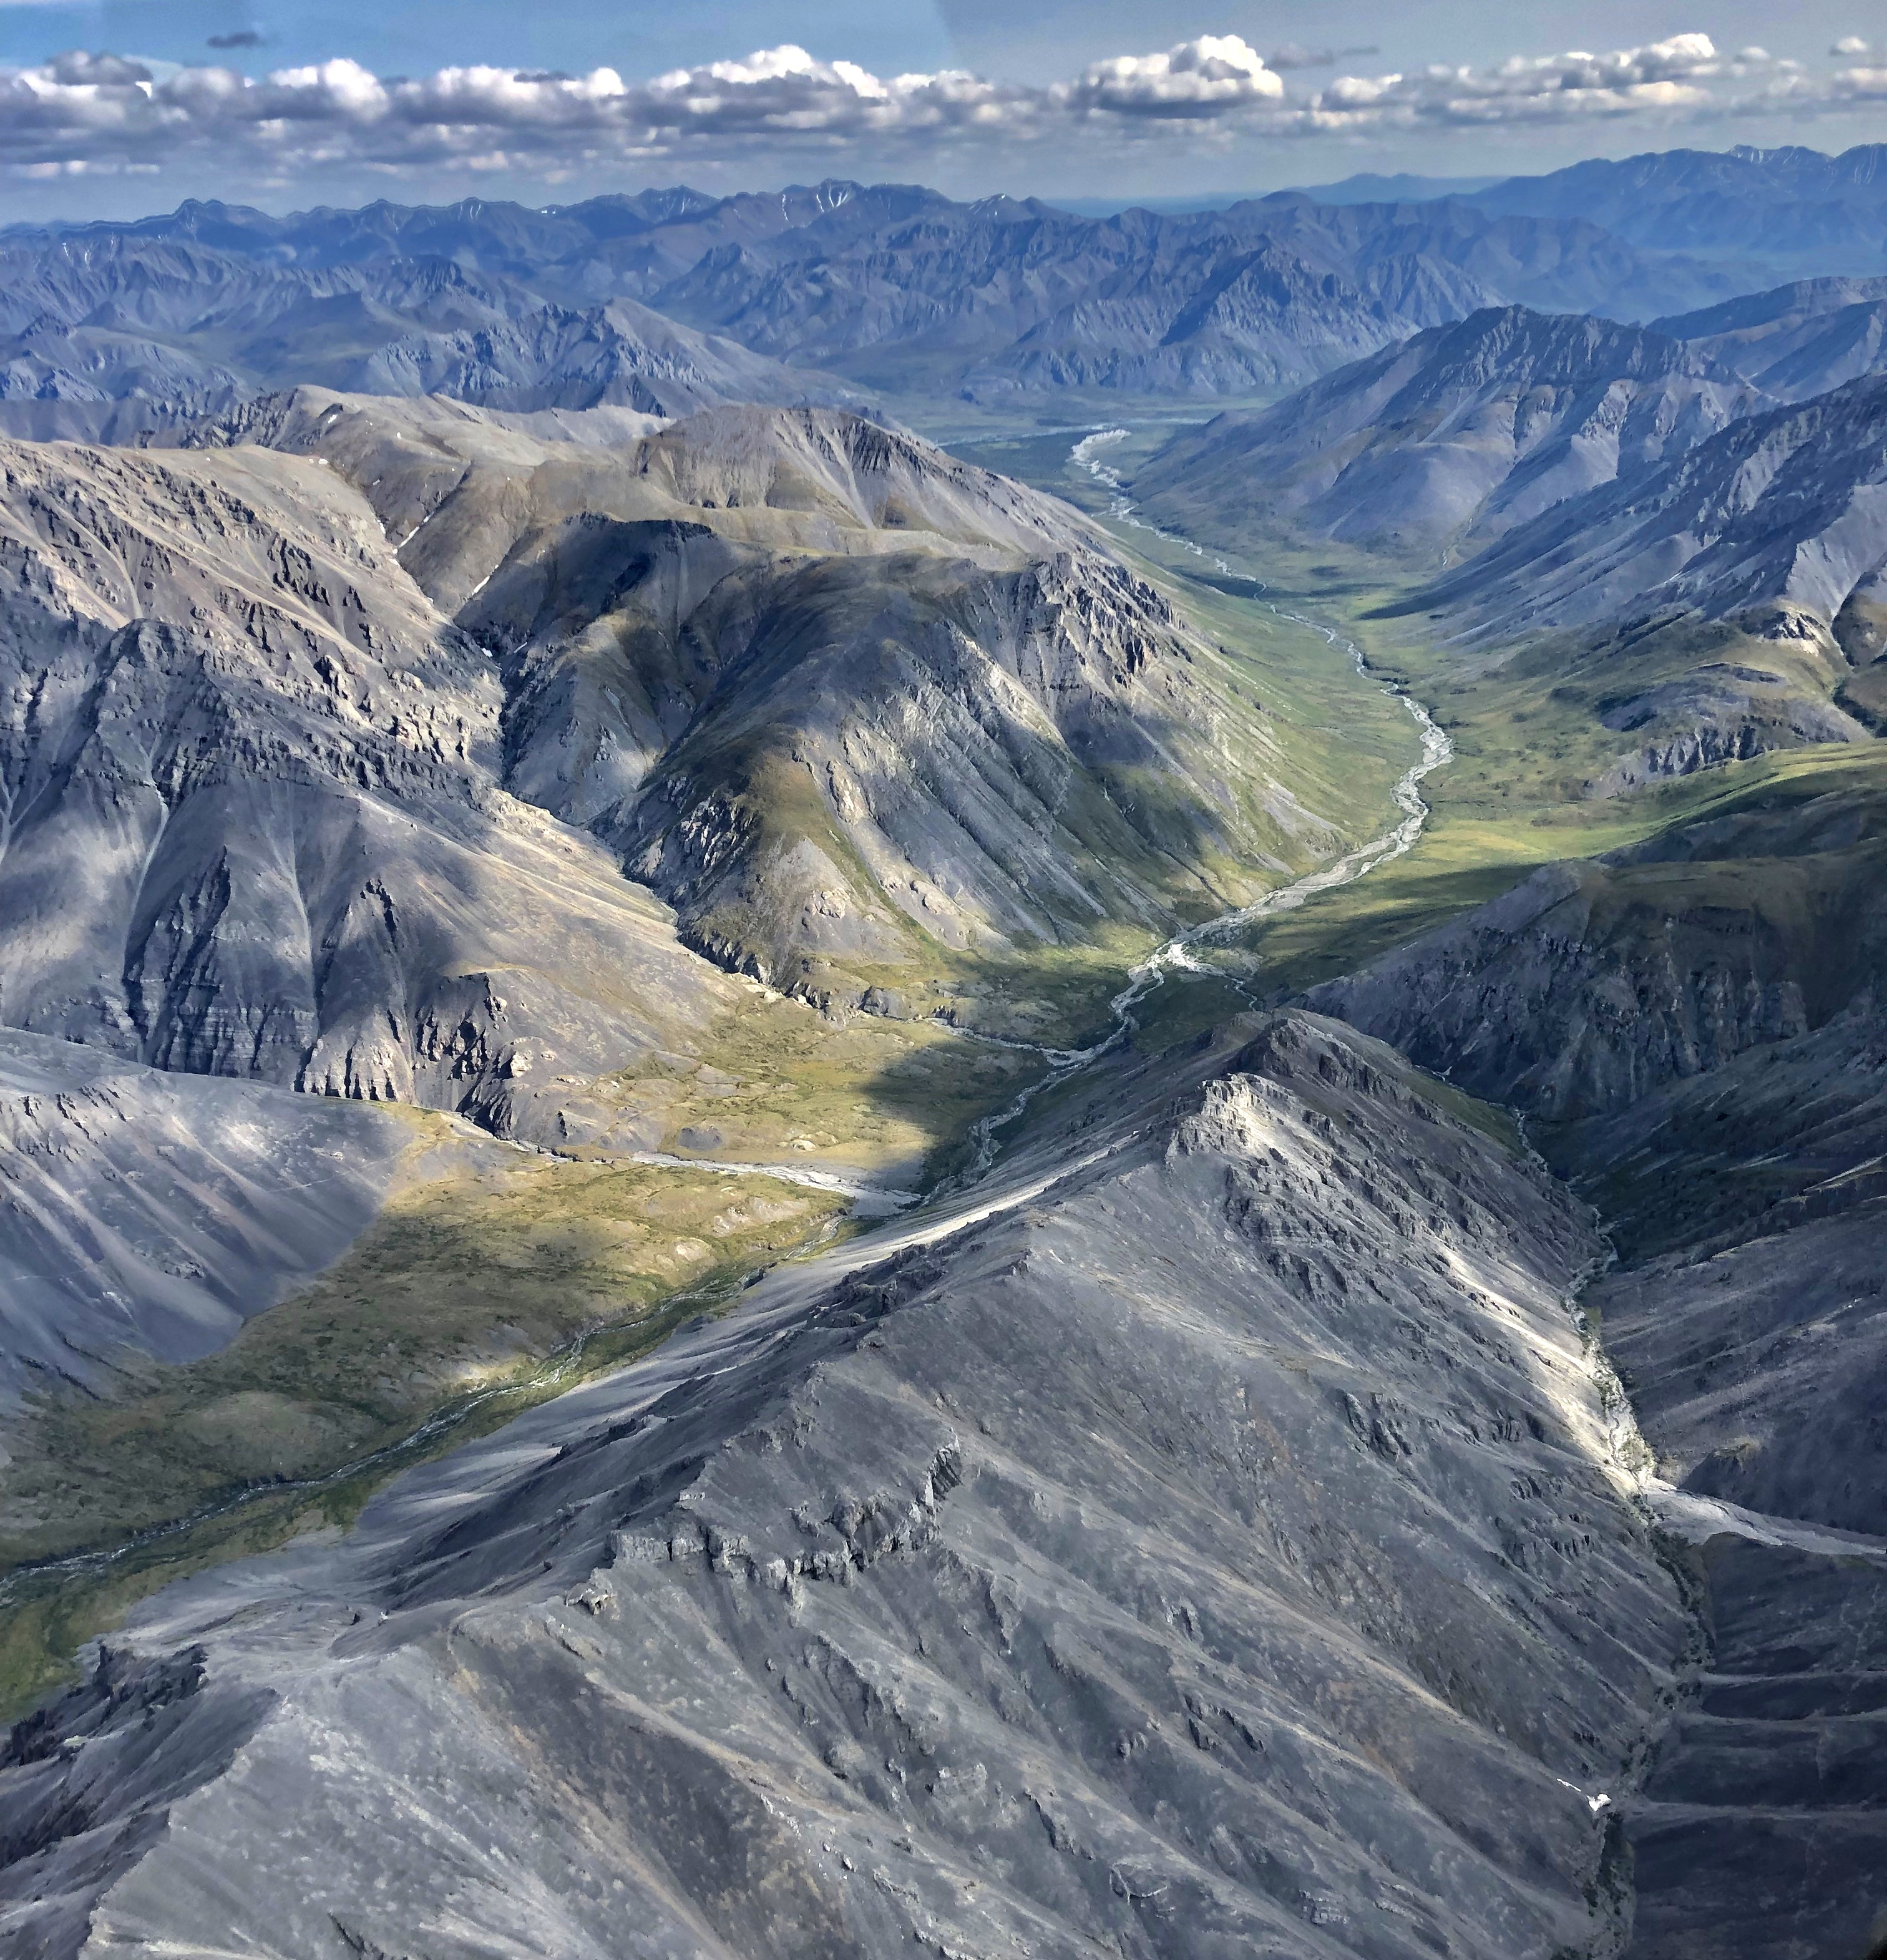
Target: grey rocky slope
(1800,340)
(117,336)
(1592,984)
(151,1213)
(1697,1027)
(848,704)
(1784,507)
(1454,436)
(254,822)
(1217,1551)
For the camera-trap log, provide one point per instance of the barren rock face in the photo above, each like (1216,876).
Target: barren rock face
(1698,1024)
(1217,1554)
(254,822)
(1798,340)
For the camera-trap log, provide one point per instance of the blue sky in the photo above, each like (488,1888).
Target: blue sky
(1095,97)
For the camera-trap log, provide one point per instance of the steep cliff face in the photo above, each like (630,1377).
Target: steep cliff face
(253,818)
(1218,1553)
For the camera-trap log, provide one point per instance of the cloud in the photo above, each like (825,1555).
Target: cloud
(94,112)
(1206,77)
(1665,76)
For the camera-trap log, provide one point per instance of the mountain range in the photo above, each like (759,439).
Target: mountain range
(901,289)
(1460,433)
(1773,208)
(764,1193)
(897,289)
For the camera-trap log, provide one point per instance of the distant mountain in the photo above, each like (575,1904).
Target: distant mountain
(1787,508)
(1399,187)
(1615,511)
(1797,341)
(896,286)
(114,334)
(1008,296)
(1780,208)
(1455,436)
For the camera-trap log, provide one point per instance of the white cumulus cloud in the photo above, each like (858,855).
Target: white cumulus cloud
(1205,77)
(101,111)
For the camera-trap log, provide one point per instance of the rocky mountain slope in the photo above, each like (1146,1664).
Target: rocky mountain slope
(1800,340)
(890,732)
(1785,507)
(151,1213)
(1697,1025)
(850,705)
(1456,436)
(1611,510)
(1219,1551)
(254,823)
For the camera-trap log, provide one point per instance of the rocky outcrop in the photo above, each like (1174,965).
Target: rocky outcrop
(1218,1552)
(1722,711)
(1581,990)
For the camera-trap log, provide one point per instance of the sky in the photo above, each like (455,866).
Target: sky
(114,107)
